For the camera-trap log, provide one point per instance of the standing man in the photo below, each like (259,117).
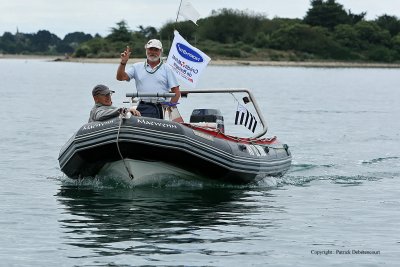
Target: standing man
(152,76)
(103,109)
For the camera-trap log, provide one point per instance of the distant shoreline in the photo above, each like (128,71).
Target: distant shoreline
(219,62)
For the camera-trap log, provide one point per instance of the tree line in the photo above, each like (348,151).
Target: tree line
(327,32)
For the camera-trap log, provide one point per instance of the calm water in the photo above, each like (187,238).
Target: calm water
(341,194)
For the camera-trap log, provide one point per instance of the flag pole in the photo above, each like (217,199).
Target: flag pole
(177,14)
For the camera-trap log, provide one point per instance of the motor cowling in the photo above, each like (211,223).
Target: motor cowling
(208,117)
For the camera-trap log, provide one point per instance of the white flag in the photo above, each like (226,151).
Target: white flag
(186,61)
(244,117)
(187,11)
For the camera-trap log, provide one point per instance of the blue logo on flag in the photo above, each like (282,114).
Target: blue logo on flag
(188,53)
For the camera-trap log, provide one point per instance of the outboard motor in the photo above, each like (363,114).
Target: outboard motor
(208,117)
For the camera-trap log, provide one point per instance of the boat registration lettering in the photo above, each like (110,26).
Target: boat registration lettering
(203,135)
(153,123)
(92,126)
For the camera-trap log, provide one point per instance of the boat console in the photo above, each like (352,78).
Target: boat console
(209,118)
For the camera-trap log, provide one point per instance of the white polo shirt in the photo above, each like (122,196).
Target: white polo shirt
(158,80)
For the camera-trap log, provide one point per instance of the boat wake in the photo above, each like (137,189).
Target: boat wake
(161,181)
(305,167)
(336,179)
(101,183)
(154,181)
(379,160)
(300,174)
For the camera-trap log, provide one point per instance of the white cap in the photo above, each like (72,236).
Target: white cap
(153,43)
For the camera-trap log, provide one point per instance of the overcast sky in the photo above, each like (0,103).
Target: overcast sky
(98,16)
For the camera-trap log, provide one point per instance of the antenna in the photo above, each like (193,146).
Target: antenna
(177,14)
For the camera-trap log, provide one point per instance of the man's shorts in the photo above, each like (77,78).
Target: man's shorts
(150,110)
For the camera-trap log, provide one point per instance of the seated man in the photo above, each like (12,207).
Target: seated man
(103,109)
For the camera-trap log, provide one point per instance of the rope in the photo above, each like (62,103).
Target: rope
(119,151)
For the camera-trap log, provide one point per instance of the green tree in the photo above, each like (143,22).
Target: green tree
(327,14)
(356,18)
(300,37)
(347,36)
(269,26)
(262,40)
(92,48)
(44,41)
(7,43)
(82,51)
(396,43)
(187,29)
(71,42)
(148,32)
(76,37)
(121,33)
(315,41)
(389,23)
(396,46)
(65,48)
(230,26)
(380,54)
(369,33)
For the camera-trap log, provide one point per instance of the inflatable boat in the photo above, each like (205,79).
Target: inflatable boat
(139,149)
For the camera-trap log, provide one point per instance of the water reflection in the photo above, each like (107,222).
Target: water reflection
(143,221)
